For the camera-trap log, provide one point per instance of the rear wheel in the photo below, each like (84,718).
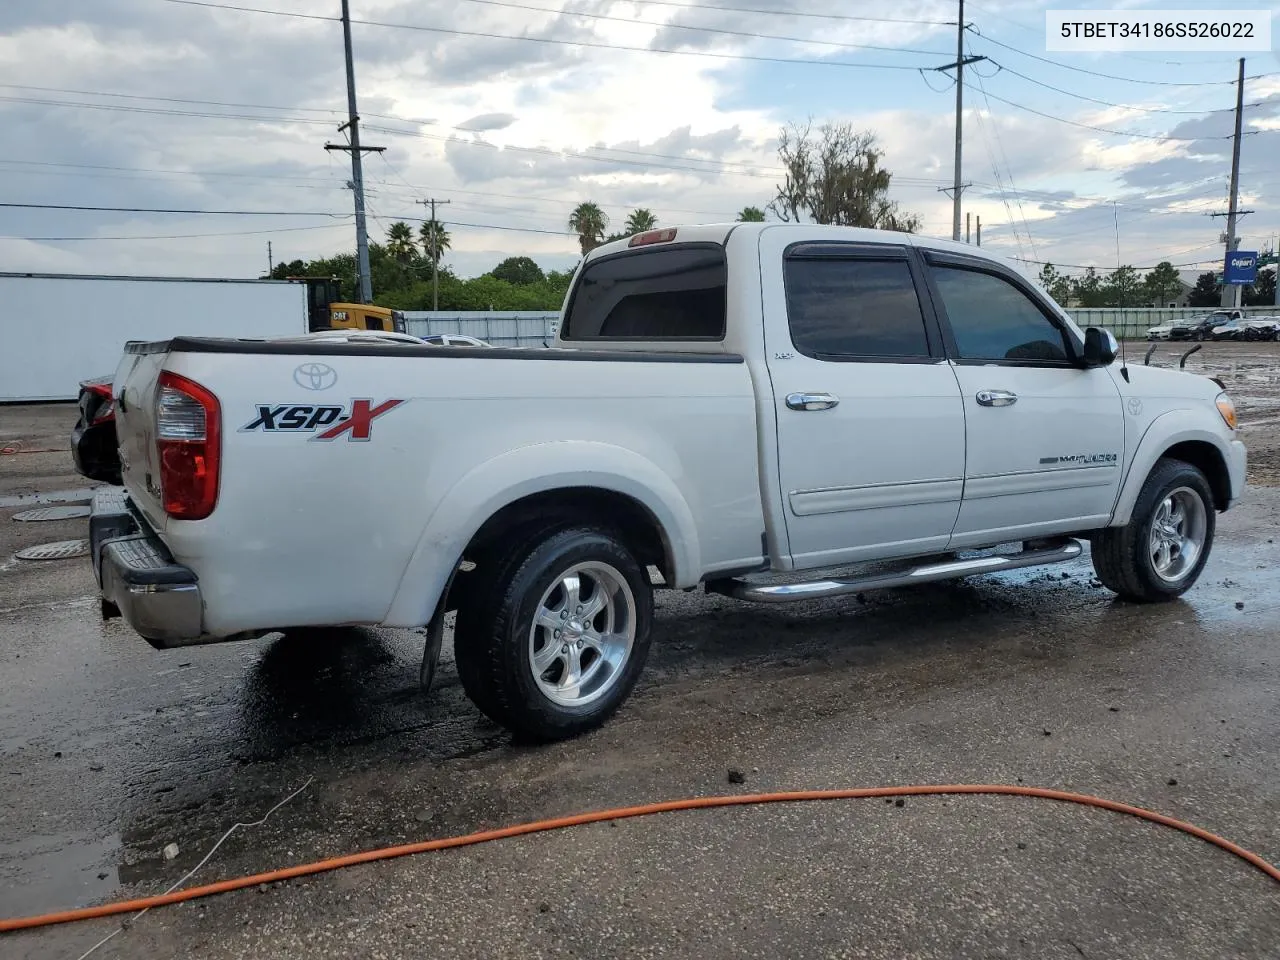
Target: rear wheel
(1160,553)
(555,636)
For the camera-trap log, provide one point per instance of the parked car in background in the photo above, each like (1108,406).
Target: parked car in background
(1261,328)
(454,340)
(1162,331)
(93,438)
(1193,328)
(1255,328)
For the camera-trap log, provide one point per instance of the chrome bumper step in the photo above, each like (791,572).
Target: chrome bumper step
(1055,551)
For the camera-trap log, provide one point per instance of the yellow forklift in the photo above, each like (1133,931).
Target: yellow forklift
(326,310)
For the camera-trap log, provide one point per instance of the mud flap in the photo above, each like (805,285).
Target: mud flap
(431,652)
(434,637)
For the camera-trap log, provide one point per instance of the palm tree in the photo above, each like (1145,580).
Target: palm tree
(751,215)
(640,221)
(434,239)
(400,241)
(589,222)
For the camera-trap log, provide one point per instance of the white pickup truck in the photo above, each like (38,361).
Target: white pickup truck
(852,408)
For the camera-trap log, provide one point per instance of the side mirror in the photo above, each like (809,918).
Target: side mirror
(1100,347)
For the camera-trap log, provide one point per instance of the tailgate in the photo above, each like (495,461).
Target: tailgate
(136,382)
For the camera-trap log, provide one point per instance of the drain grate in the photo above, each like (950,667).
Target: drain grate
(61,550)
(69,512)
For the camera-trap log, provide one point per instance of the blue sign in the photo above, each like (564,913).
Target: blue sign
(1242,267)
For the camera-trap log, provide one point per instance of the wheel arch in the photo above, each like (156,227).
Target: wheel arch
(605,484)
(1178,435)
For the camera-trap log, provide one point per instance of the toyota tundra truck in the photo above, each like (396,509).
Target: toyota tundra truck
(774,412)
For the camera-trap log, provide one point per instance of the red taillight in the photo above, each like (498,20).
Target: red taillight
(665,235)
(188,442)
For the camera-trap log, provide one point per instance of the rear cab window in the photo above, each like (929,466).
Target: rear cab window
(676,292)
(859,303)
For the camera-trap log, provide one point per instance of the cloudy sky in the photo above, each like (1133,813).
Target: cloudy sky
(515,110)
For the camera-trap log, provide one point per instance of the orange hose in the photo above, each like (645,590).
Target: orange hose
(622,813)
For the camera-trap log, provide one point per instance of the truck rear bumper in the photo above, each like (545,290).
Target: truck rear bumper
(160,599)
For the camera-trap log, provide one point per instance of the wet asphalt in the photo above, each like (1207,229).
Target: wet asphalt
(110,750)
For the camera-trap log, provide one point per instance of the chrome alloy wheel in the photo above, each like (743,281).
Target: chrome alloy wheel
(582,634)
(1178,533)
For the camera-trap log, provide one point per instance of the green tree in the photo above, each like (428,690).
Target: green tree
(1056,284)
(589,222)
(521,271)
(1123,287)
(400,241)
(434,239)
(1205,292)
(836,177)
(1262,293)
(751,215)
(1162,284)
(640,220)
(1087,290)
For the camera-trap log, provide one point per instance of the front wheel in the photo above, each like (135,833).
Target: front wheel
(556,637)
(1160,553)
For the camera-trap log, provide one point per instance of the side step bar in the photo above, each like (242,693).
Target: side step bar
(1055,551)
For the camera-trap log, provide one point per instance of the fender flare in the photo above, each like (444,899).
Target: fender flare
(1165,431)
(543,467)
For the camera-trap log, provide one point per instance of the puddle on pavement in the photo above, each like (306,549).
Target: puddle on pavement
(56,872)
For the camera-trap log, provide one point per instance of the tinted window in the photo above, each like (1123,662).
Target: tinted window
(994,320)
(854,308)
(676,293)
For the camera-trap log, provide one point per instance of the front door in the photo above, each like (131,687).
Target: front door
(869,417)
(1045,435)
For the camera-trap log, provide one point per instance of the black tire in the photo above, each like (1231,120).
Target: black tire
(1122,558)
(493,646)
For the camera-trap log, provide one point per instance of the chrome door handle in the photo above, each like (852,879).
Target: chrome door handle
(811,401)
(997,398)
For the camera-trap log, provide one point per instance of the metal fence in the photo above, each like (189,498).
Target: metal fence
(1133,322)
(538,329)
(502,329)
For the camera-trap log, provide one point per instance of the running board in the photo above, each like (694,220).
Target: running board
(1054,552)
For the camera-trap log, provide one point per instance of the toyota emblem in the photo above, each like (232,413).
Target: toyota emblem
(315,376)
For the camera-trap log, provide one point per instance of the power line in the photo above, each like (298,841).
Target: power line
(191,173)
(1089,126)
(1110,76)
(1039,33)
(1108,103)
(591,44)
(791,13)
(206,103)
(159,111)
(230,213)
(182,236)
(750,35)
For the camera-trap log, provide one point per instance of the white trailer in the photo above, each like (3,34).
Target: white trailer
(59,329)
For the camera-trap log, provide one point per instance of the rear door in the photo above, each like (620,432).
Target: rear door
(870,422)
(1045,435)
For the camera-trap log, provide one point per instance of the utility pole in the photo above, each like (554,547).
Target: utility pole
(433,253)
(1231,291)
(968,226)
(270,264)
(365,292)
(957,188)
(979,218)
